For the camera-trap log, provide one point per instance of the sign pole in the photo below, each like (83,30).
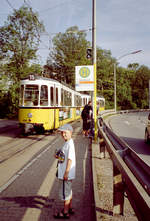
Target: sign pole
(94,64)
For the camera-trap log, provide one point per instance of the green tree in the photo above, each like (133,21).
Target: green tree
(19,40)
(133,66)
(69,50)
(140,87)
(105,76)
(124,90)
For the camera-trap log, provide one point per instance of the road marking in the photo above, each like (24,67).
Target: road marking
(127,122)
(44,192)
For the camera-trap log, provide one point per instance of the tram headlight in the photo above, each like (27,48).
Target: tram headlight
(29,115)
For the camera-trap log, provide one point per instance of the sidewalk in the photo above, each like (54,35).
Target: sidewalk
(83,194)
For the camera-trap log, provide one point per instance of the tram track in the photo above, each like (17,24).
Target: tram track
(12,142)
(19,152)
(34,148)
(17,145)
(8,128)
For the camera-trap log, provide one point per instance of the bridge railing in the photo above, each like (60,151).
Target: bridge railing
(131,175)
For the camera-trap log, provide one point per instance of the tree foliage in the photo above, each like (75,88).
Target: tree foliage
(19,40)
(140,86)
(105,76)
(69,50)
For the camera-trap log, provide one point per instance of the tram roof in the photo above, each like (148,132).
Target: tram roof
(36,77)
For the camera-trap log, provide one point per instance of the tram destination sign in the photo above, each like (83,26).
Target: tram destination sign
(84,76)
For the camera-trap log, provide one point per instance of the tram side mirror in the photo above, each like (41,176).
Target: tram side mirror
(149,117)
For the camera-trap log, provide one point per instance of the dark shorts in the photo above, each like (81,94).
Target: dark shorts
(86,124)
(65,189)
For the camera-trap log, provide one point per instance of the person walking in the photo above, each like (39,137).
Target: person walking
(66,171)
(87,118)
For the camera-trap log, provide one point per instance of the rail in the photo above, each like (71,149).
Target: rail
(133,173)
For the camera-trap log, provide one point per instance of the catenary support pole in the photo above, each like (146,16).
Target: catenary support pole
(94,64)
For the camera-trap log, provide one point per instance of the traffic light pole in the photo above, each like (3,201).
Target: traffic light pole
(94,64)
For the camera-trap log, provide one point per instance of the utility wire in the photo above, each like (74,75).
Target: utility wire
(45,46)
(58,5)
(10,4)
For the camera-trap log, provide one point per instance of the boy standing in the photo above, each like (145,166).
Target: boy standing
(66,171)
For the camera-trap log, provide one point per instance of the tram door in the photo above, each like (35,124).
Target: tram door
(56,109)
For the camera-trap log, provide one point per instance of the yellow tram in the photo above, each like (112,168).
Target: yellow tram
(46,104)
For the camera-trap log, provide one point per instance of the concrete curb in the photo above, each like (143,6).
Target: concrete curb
(95,158)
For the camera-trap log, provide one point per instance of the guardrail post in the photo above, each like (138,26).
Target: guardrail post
(118,192)
(102,147)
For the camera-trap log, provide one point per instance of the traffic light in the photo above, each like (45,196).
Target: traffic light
(89,53)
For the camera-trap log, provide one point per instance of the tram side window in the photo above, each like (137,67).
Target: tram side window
(101,103)
(79,101)
(44,96)
(56,96)
(70,98)
(84,101)
(67,98)
(21,100)
(31,95)
(75,100)
(52,96)
(62,97)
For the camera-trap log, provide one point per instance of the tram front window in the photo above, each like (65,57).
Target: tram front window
(21,95)
(31,95)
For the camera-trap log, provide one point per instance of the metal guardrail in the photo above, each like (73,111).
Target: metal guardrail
(135,173)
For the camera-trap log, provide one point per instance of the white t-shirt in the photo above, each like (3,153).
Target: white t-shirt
(69,151)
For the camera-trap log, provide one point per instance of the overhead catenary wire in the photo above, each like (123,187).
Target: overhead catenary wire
(55,6)
(43,43)
(10,4)
(28,5)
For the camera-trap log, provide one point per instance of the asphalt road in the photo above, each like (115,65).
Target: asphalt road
(131,128)
(29,188)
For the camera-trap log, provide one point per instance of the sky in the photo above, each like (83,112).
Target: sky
(122,26)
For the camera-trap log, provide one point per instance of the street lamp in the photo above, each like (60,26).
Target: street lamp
(115,65)
(79,31)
